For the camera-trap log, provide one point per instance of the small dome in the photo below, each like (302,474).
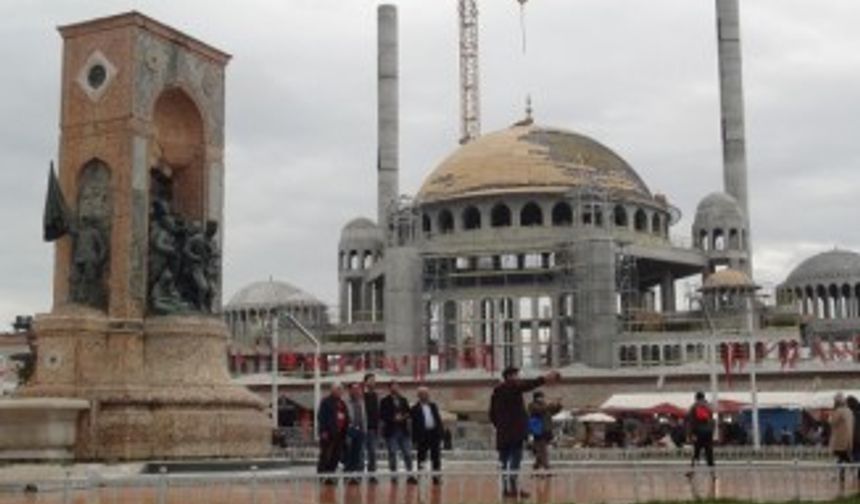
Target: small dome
(270,294)
(833,266)
(360,232)
(530,159)
(719,210)
(728,279)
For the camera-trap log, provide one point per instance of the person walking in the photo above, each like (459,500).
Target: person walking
(371,407)
(427,432)
(356,433)
(394,414)
(333,420)
(700,428)
(854,405)
(841,433)
(541,428)
(508,415)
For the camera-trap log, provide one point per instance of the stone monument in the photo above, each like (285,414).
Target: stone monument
(136,210)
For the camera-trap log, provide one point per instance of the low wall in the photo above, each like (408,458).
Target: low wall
(39,428)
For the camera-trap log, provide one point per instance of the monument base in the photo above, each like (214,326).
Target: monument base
(158,388)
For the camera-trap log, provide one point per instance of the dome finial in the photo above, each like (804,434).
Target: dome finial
(528,120)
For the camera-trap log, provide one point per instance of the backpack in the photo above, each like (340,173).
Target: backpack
(536,426)
(701,413)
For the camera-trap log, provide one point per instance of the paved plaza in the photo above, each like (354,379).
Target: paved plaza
(472,483)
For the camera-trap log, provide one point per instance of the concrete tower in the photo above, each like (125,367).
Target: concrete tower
(388,121)
(732,108)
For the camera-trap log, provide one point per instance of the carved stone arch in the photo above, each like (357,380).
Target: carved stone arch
(179,150)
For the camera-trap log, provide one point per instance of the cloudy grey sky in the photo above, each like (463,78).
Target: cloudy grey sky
(637,75)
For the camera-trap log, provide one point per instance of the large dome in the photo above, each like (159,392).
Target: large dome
(270,294)
(833,266)
(530,159)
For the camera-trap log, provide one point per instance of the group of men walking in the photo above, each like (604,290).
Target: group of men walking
(350,427)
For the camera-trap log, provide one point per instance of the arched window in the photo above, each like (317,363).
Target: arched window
(655,223)
(446,222)
(471,218)
(704,240)
(734,239)
(562,215)
(619,215)
(640,220)
(719,239)
(353,260)
(531,215)
(500,215)
(425,223)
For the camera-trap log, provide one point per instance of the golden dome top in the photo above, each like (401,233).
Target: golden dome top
(530,158)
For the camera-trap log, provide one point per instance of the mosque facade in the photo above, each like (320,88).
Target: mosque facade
(537,247)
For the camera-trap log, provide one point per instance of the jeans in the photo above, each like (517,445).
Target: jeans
(510,456)
(704,441)
(399,441)
(370,442)
(355,451)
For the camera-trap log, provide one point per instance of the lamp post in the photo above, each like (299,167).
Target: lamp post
(274,320)
(317,352)
(750,307)
(715,392)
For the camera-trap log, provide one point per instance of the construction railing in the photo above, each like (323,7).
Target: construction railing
(459,484)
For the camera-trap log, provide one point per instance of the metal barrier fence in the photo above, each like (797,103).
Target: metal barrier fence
(466,484)
(722,453)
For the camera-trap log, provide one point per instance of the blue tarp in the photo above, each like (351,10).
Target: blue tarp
(774,420)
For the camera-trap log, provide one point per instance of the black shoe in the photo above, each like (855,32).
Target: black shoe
(352,481)
(372,480)
(412,480)
(394,480)
(437,480)
(330,481)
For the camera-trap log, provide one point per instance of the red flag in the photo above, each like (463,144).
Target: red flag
(782,353)
(794,353)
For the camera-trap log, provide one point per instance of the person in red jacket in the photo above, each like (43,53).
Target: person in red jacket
(509,417)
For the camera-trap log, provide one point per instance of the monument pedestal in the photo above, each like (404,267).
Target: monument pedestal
(157,388)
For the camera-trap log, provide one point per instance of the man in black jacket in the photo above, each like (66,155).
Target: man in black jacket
(371,408)
(333,420)
(509,417)
(427,431)
(394,415)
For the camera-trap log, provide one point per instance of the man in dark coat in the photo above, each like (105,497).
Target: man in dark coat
(509,417)
(394,414)
(371,408)
(427,431)
(333,420)
(854,406)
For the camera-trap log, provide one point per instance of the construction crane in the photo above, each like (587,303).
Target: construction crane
(470,92)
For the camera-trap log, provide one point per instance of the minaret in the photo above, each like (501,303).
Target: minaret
(387,115)
(732,109)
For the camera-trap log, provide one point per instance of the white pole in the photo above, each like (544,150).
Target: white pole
(715,392)
(274,318)
(317,385)
(753,365)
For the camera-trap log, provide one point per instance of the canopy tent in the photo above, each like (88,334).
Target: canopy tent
(729,402)
(562,416)
(596,417)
